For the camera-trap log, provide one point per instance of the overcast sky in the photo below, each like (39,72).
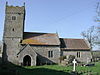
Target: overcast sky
(66,17)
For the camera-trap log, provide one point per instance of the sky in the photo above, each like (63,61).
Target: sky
(68,18)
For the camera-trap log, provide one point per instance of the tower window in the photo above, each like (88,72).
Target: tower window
(13,17)
(13,29)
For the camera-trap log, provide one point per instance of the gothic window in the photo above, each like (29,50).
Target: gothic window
(13,29)
(50,54)
(78,54)
(13,17)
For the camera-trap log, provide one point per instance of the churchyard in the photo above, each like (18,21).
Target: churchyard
(50,70)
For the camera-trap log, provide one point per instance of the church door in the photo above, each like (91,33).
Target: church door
(27,61)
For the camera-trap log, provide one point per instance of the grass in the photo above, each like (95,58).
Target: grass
(94,69)
(46,70)
(52,70)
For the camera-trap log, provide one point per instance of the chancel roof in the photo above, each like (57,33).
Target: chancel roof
(74,44)
(40,38)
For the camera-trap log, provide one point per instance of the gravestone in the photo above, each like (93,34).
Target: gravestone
(74,64)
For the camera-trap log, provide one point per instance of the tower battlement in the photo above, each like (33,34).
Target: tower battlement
(15,9)
(14,6)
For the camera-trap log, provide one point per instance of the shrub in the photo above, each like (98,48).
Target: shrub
(62,57)
(71,58)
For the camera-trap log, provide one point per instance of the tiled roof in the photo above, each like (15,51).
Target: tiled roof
(40,38)
(74,44)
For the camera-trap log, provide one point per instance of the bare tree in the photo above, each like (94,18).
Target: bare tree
(93,33)
(90,35)
(98,21)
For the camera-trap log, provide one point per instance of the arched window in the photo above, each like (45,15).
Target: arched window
(13,29)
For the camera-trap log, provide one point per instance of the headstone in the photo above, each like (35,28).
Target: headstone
(74,62)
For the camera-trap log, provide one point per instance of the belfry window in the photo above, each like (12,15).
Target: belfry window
(13,17)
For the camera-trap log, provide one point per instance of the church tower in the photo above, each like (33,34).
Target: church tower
(13,32)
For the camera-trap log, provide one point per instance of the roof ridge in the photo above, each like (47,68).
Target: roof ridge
(40,32)
(73,38)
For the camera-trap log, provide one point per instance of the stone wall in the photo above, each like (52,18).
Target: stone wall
(42,54)
(85,56)
(10,49)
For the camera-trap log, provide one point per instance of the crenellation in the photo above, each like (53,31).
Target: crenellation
(13,5)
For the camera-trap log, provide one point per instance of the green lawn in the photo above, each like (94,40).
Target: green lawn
(94,69)
(52,70)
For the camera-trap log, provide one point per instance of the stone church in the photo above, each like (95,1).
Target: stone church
(33,48)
